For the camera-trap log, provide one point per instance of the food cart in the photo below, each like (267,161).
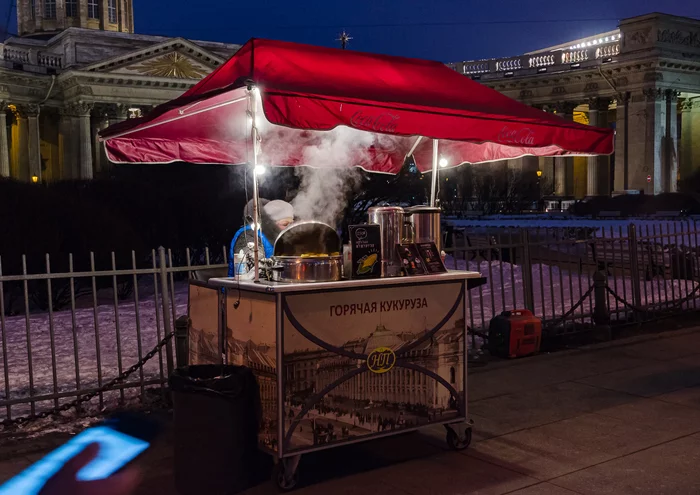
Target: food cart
(345,360)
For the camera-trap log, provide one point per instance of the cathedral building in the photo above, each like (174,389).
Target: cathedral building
(643,80)
(78,66)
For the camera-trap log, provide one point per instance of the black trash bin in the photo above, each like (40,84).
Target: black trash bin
(216,415)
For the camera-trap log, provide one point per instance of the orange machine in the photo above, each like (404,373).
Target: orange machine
(514,334)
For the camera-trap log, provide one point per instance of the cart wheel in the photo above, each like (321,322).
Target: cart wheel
(285,481)
(456,443)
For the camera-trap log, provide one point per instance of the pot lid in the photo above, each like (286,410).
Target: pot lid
(423,209)
(385,208)
(307,237)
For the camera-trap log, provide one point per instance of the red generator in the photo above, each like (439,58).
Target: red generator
(514,334)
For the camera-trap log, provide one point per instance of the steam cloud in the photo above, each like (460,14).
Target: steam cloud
(329,176)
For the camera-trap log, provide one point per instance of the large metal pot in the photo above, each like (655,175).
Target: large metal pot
(426,224)
(307,252)
(308,269)
(391,222)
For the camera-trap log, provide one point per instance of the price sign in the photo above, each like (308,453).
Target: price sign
(411,262)
(430,255)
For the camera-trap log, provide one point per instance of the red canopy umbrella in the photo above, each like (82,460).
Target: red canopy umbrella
(306,88)
(349,108)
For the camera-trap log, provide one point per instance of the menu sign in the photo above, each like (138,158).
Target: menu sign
(411,262)
(430,255)
(366,243)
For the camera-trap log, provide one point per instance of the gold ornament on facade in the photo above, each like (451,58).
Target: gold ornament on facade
(171,65)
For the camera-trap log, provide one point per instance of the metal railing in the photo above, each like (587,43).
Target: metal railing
(647,270)
(528,64)
(67,334)
(73,332)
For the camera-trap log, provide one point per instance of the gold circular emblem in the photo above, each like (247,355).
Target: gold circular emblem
(381,360)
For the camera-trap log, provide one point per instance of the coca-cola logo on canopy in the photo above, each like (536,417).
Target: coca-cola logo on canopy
(522,137)
(384,122)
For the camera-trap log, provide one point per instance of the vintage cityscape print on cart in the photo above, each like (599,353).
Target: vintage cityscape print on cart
(360,363)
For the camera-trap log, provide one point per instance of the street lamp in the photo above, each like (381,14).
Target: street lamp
(35,179)
(539,174)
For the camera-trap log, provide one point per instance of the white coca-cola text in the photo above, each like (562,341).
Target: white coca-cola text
(384,122)
(523,137)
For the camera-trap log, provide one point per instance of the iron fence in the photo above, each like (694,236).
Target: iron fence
(107,319)
(646,270)
(69,333)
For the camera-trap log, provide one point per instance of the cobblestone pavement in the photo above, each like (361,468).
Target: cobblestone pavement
(616,418)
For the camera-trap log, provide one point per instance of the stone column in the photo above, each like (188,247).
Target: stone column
(4,149)
(564,166)
(60,14)
(652,139)
(82,111)
(31,112)
(22,145)
(621,124)
(669,172)
(598,165)
(70,131)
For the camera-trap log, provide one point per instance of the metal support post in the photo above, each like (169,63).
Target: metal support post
(601,317)
(528,291)
(252,92)
(634,265)
(434,178)
(165,298)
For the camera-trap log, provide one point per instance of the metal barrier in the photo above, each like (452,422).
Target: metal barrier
(66,337)
(653,268)
(113,318)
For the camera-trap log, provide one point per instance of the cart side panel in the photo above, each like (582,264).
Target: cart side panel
(251,341)
(364,363)
(204,332)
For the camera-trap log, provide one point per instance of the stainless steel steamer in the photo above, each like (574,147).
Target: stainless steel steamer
(391,222)
(307,252)
(426,224)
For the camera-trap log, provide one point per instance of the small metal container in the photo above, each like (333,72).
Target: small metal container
(426,224)
(391,222)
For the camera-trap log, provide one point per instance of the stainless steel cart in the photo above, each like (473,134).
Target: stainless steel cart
(341,362)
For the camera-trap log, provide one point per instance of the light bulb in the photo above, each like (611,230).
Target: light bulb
(260,169)
(443,162)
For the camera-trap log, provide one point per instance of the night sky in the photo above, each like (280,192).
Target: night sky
(446,30)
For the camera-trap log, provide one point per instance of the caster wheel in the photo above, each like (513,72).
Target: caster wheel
(285,481)
(456,443)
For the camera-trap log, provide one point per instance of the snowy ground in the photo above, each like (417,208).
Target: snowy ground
(555,292)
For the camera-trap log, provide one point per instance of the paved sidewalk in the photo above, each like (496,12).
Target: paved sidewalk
(619,418)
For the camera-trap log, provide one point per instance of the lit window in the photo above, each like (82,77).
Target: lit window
(71,8)
(93,9)
(112,10)
(50,9)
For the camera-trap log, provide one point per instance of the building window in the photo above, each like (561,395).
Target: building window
(50,9)
(93,9)
(452,375)
(32,5)
(71,8)
(112,9)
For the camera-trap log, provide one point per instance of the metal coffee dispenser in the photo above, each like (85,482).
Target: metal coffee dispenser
(425,221)
(391,221)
